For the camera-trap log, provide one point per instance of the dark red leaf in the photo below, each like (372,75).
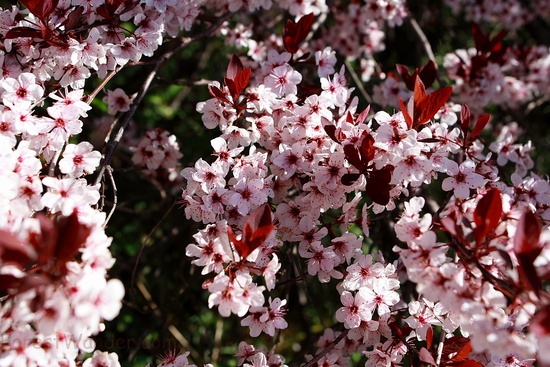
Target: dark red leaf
(257,228)
(428,73)
(353,157)
(46,242)
(295,33)
(349,118)
(429,106)
(367,149)
(456,349)
(15,252)
(74,18)
(23,32)
(73,235)
(401,331)
(378,185)
(234,67)
(8,281)
(480,40)
(42,9)
(429,140)
(480,124)
(242,79)
(218,94)
(540,325)
(527,248)
(429,337)
(334,133)
(487,214)
(232,86)
(406,115)
(419,91)
(405,74)
(465,119)
(349,179)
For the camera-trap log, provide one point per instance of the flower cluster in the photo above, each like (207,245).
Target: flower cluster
(315,155)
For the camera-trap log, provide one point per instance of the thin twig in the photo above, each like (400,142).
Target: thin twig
(358,82)
(149,235)
(115,200)
(94,93)
(171,328)
(424,40)
(327,349)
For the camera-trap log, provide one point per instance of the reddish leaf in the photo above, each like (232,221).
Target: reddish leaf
(257,229)
(527,248)
(235,65)
(428,73)
(295,33)
(352,155)
(456,349)
(419,90)
(218,94)
(424,107)
(74,18)
(406,115)
(14,252)
(429,106)
(405,74)
(349,179)
(378,185)
(429,140)
(465,119)
(540,325)
(242,79)
(73,235)
(429,337)
(367,149)
(42,9)
(334,133)
(487,214)
(402,332)
(23,32)
(8,281)
(480,124)
(232,86)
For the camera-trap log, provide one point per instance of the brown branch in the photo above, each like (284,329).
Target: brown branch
(424,39)
(115,200)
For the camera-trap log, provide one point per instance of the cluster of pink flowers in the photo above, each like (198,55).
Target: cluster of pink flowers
(307,157)
(511,14)
(296,169)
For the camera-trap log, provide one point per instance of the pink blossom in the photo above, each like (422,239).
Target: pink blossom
(79,159)
(283,80)
(117,101)
(355,310)
(462,179)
